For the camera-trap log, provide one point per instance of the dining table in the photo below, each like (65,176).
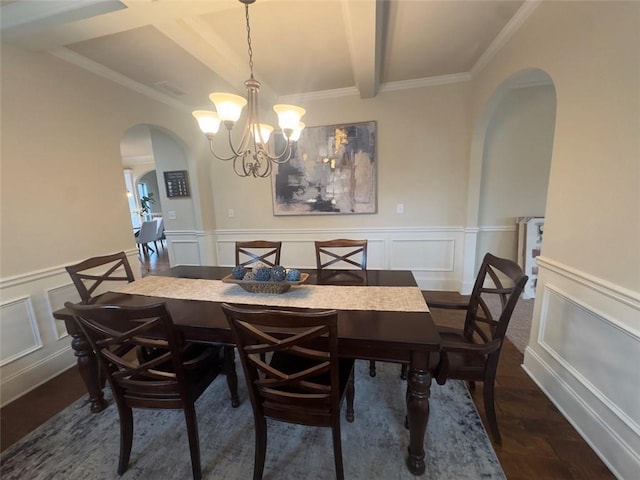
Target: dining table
(377,330)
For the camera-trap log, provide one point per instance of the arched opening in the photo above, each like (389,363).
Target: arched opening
(509,167)
(149,153)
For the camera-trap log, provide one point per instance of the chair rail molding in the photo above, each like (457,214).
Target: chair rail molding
(36,347)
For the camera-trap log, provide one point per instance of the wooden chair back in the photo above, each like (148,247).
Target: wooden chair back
(495,293)
(291,365)
(299,383)
(171,376)
(115,331)
(258,251)
(115,268)
(342,253)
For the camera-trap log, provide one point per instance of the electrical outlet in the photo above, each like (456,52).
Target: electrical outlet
(172,215)
(400,208)
(230,213)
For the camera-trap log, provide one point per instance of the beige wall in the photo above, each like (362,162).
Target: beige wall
(590,50)
(517,156)
(422,163)
(63,195)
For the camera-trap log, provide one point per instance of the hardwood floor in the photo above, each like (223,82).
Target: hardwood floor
(537,442)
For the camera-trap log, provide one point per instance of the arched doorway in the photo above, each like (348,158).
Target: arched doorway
(509,166)
(149,152)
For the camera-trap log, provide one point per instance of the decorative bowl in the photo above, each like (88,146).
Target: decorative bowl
(255,286)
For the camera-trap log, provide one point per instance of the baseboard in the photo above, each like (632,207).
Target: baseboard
(616,454)
(35,374)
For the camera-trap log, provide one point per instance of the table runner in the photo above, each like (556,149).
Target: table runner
(387,299)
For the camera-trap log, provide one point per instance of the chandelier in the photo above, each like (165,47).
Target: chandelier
(252,156)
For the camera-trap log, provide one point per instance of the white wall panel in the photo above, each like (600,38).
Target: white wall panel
(590,347)
(20,335)
(584,353)
(434,254)
(57,297)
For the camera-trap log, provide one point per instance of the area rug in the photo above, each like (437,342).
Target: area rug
(76,444)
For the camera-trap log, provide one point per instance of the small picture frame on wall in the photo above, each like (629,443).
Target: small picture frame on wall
(177,183)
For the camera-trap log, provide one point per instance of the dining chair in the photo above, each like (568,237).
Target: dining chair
(160,237)
(258,251)
(472,352)
(90,274)
(87,279)
(174,378)
(302,382)
(341,253)
(148,233)
(344,254)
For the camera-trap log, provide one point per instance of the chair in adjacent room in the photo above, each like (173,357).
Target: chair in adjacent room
(472,352)
(174,378)
(148,234)
(90,274)
(248,253)
(160,237)
(303,382)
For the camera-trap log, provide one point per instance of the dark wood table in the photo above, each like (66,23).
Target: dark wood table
(404,337)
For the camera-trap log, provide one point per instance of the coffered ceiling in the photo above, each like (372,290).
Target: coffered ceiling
(180,50)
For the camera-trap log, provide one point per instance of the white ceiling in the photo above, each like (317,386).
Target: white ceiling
(181,50)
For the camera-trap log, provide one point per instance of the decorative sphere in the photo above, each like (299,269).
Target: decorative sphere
(263,274)
(293,275)
(239,272)
(249,276)
(278,273)
(258,265)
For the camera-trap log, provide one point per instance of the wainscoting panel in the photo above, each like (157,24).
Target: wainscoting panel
(584,353)
(434,254)
(34,347)
(184,252)
(57,297)
(20,334)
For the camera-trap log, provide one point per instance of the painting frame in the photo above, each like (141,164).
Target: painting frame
(333,170)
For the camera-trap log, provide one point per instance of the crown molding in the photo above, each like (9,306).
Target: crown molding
(105,72)
(521,16)
(425,82)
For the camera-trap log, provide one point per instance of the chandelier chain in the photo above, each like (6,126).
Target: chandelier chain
(250,49)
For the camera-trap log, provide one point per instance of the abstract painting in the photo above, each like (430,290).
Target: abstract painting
(332,170)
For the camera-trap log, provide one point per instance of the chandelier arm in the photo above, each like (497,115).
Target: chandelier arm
(224,159)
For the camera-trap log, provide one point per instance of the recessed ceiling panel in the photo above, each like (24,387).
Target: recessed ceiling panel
(148,57)
(433,38)
(297,46)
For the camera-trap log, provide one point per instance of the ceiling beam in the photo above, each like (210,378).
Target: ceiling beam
(365,24)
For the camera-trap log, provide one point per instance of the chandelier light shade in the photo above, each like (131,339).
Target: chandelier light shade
(252,155)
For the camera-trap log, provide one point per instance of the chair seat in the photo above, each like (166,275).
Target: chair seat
(462,365)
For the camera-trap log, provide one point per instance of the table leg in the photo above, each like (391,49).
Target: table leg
(88,367)
(418,392)
(232,376)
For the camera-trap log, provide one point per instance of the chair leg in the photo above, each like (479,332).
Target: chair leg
(351,393)
(194,442)
(126,438)
(230,372)
(337,448)
(261,448)
(372,368)
(403,371)
(490,411)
